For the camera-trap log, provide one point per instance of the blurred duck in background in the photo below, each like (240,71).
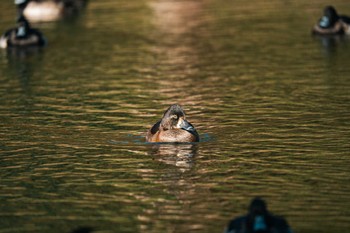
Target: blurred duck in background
(49,10)
(258,220)
(332,24)
(22,35)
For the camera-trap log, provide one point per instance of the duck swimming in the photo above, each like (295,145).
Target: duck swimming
(258,220)
(21,36)
(173,127)
(48,10)
(331,23)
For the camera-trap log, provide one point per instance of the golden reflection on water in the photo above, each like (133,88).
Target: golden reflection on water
(175,22)
(176,17)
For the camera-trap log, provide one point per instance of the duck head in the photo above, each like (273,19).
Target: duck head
(258,215)
(174,118)
(329,18)
(21,3)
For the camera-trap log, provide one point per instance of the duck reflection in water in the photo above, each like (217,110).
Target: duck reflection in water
(17,54)
(179,155)
(331,43)
(258,220)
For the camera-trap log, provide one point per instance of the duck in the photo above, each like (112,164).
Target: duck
(48,10)
(258,220)
(331,23)
(173,127)
(22,35)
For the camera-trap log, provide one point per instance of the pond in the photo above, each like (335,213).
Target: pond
(271,104)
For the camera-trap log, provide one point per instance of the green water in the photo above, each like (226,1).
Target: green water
(271,103)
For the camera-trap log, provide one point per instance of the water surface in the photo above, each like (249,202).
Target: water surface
(270,102)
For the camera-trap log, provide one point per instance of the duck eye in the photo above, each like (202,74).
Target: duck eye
(174,117)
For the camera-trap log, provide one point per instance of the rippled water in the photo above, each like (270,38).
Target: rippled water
(271,103)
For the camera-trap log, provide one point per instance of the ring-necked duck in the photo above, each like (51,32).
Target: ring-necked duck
(22,35)
(258,220)
(173,127)
(48,10)
(331,23)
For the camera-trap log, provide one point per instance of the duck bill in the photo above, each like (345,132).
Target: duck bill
(183,124)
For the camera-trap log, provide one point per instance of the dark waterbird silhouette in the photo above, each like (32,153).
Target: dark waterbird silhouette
(83,230)
(258,220)
(331,23)
(22,36)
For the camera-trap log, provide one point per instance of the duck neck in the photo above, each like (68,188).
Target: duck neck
(259,223)
(21,31)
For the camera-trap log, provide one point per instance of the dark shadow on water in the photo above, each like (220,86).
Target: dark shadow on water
(83,230)
(206,138)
